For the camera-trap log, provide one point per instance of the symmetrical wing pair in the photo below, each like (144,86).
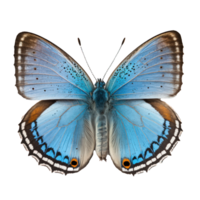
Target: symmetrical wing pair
(135,128)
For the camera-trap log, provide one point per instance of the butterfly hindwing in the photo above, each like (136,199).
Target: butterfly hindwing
(44,71)
(153,70)
(59,134)
(141,133)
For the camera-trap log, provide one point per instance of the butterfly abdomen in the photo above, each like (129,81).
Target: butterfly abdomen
(101,136)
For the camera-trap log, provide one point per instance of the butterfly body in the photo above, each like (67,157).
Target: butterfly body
(100,98)
(123,118)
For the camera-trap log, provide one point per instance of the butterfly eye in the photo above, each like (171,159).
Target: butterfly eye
(74,162)
(126,163)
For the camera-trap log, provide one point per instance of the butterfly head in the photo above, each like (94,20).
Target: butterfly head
(100,83)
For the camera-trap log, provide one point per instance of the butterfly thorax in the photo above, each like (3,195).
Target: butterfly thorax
(100,98)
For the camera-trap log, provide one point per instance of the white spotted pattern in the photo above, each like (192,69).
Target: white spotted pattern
(27,140)
(168,146)
(162,156)
(38,156)
(31,146)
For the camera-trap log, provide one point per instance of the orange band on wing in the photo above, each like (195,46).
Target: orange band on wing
(163,109)
(37,110)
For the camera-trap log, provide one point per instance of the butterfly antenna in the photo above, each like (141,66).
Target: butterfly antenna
(79,43)
(114,58)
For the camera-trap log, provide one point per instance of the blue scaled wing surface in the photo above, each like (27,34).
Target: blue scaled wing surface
(44,71)
(59,134)
(153,70)
(144,132)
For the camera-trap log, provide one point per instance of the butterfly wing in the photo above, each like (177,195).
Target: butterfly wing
(44,71)
(141,133)
(59,134)
(153,70)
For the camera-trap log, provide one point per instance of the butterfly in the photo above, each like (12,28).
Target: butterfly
(123,118)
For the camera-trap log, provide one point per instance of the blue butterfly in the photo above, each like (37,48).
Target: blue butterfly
(123,118)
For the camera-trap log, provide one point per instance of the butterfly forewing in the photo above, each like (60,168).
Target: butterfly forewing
(44,71)
(153,70)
